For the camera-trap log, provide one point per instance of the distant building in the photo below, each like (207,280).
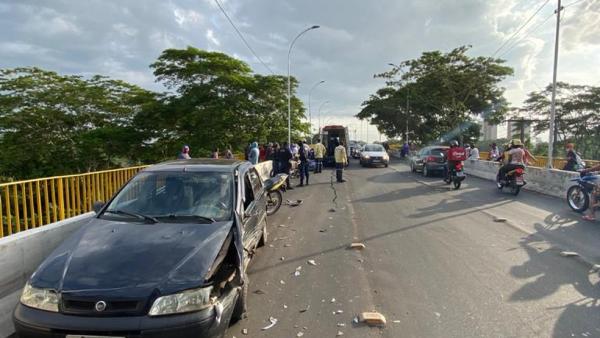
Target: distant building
(489,131)
(514,129)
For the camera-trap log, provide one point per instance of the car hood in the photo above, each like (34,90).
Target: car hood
(373,153)
(133,259)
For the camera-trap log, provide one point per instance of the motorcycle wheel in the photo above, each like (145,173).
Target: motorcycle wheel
(515,189)
(457,184)
(578,199)
(274,200)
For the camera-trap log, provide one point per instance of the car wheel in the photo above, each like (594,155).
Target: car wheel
(386,165)
(241,305)
(425,171)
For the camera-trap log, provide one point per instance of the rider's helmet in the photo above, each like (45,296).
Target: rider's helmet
(453,143)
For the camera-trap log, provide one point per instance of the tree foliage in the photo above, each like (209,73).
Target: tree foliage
(445,90)
(54,124)
(577,115)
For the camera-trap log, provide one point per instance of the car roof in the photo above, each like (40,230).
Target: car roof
(436,147)
(200,164)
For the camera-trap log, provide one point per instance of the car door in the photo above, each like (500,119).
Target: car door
(260,198)
(251,211)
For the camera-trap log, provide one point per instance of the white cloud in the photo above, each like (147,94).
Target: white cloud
(184,17)
(210,36)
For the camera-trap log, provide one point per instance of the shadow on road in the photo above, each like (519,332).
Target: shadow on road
(553,272)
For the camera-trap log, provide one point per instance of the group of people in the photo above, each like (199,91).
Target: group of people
(185,153)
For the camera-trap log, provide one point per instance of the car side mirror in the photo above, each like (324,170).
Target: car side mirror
(98,205)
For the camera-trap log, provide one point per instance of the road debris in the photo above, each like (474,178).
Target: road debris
(282,225)
(287,245)
(332,210)
(339,333)
(372,318)
(300,334)
(397,321)
(341,324)
(273,322)
(437,314)
(244,331)
(357,246)
(282,258)
(282,282)
(297,272)
(312,262)
(500,219)
(339,312)
(294,203)
(332,300)
(259,292)
(305,309)
(569,254)
(323,230)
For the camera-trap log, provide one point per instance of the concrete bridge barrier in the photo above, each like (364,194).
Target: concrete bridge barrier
(552,182)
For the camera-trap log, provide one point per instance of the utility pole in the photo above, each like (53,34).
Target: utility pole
(407,114)
(553,107)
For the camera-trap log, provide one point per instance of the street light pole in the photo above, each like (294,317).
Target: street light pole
(321,106)
(553,106)
(309,112)
(290,84)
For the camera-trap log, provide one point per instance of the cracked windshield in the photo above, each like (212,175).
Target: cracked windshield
(278,168)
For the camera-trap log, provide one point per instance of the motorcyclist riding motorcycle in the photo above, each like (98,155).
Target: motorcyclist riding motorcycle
(455,154)
(515,157)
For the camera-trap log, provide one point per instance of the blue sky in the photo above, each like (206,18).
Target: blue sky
(356,39)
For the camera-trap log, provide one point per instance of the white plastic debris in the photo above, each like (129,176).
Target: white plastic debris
(282,282)
(500,219)
(341,324)
(282,258)
(300,334)
(296,273)
(244,331)
(357,246)
(273,322)
(396,321)
(332,300)
(339,312)
(285,306)
(339,333)
(312,262)
(569,254)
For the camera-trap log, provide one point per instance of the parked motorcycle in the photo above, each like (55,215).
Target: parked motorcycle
(579,196)
(514,180)
(275,186)
(456,175)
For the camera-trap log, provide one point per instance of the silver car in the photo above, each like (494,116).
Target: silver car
(374,154)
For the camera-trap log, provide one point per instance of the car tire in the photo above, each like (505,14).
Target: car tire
(241,304)
(426,172)
(386,165)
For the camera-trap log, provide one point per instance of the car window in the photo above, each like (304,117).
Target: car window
(255,181)
(424,151)
(374,147)
(176,194)
(438,152)
(248,191)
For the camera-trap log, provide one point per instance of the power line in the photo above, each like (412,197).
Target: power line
(242,37)
(520,28)
(573,3)
(527,34)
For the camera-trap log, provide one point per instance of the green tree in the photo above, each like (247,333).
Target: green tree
(577,116)
(218,101)
(446,90)
(53,124)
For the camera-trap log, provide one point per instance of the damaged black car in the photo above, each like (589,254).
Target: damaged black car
(165,257)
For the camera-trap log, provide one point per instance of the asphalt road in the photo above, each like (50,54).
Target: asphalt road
(437,262)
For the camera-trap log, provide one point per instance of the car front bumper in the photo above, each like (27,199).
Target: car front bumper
(371,161)
(30,323)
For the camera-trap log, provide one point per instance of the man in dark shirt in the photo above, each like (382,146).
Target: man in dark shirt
(572,164)
(303,151)
(284,155)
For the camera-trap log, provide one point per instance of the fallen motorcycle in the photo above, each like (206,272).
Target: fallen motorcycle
(514,181)
(579,196)
(456,176)
(275,186)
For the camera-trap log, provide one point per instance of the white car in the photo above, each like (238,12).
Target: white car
(374,154)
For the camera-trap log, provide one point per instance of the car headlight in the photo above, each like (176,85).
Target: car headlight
(42,299)
(386,157)
(366,157)
(186,301)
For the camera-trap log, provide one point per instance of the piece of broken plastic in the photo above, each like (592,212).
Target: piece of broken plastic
(273,321)
(312,262)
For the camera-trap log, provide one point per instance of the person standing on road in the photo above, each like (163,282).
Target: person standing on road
(319,153)
(228,154)
(303,153)
(284,156)
(254,153)
(185,153)
(474,155)
(341,160)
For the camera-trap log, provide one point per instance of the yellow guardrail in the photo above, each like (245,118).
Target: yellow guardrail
(542,161)
(37,202)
